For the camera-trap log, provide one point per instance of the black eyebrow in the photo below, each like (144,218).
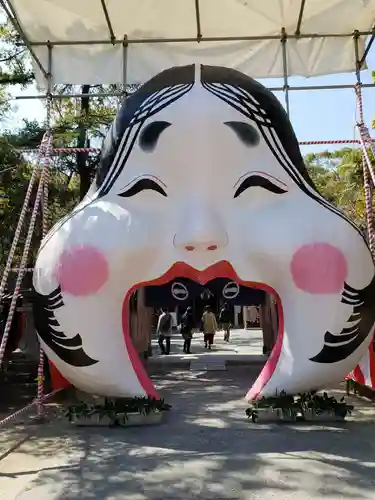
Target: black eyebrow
(143,185)
(245,132)
(150,135)
(258,181)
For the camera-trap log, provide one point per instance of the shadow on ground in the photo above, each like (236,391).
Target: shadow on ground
(204,450)
(243,341)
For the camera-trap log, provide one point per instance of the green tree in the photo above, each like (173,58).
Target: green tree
(15,173)
(76,123)
(82,123)
(15,63)
(338,176)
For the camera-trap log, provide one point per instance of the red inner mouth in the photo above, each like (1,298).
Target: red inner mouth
(222,269)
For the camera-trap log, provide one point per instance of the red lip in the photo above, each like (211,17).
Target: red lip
(222,269)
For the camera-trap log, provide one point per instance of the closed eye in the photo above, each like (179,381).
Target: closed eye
(259,181)
(143,184)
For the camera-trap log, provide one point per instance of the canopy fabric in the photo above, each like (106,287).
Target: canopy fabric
(151,20)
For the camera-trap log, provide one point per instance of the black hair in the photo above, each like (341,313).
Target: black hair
(239,91)
(158,93)
(258,104)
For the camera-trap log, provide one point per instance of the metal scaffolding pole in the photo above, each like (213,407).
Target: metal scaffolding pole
(124,65)
(366,52)
(300,17)
(119,94)
(50,72)
(357,60)
(108,21)
(320,87)
(68,96)
(203,39)
(198,21)
(285,69)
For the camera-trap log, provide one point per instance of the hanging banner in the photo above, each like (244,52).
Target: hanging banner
(179,292)
(182,292)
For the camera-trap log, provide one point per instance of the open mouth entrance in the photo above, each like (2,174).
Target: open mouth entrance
(253,311)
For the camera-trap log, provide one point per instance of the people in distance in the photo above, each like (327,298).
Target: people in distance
(187,325)
(224,320)
(209,327)
(164,331)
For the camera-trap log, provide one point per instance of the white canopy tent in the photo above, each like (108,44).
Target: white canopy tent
(129,41)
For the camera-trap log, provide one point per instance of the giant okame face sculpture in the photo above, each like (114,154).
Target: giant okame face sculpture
(201,177)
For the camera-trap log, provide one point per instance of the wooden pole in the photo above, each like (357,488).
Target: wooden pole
(141,324)
(274,319)
(266,324)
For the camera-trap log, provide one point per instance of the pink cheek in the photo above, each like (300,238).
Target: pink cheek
(82,271)
(319,268)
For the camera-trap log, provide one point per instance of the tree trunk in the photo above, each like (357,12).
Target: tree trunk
(82,167)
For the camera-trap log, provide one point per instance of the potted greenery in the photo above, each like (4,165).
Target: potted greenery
(307,406)
(323,407)
(278,407)
(123,412)
(286,407)
(140,411)
(85,413)
(262,411)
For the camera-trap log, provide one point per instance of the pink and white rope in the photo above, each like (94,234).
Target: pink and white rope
(365,143)
(369,210)
(41,152)
(364,134)
(65,150)
(338,141)
(45,207)
(45,223)
(28,407)
(302,143)
(368,171)
(26,270)
(25,253)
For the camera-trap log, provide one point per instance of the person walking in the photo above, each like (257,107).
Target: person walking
(224,320)
(164,331)
(187,325)
(209,327)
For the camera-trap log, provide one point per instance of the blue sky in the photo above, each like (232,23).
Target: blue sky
(316,114)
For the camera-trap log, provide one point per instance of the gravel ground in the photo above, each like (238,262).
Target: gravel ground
(204,450)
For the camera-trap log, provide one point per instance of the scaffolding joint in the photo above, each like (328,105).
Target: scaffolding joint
(284,36)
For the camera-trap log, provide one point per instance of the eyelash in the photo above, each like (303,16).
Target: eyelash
(251,181)
(258,181)
(143,185)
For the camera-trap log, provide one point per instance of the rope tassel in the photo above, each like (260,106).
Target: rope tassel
(368,171)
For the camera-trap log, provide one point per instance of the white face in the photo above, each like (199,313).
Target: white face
(202,186)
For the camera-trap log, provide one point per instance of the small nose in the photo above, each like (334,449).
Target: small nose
(201,230)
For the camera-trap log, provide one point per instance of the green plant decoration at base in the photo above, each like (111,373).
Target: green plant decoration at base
(114,407)
(299,407)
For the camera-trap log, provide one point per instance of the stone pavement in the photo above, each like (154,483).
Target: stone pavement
(204,450)
(244,346)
